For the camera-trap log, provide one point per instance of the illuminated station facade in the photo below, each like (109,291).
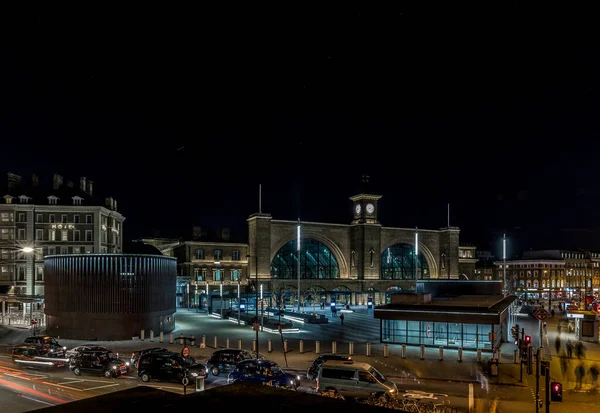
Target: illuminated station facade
(348,263)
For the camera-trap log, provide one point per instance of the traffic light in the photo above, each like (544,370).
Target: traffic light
(527,340)
(515,332)
(544,364)
(556,392)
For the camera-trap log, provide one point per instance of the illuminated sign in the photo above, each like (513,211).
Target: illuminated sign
(63,226)
(574,315)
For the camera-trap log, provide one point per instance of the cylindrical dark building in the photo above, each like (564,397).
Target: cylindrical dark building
(109,296)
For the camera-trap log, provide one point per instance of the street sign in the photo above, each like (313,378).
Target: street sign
(541,314)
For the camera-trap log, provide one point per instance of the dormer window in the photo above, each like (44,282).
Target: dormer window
(24,199)
(77,200)
(8,199)
(52,200)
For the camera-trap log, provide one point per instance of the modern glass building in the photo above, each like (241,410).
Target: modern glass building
(435,333)
(453,314)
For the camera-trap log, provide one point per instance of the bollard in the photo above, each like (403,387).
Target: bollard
(193,341)
(317,347)
(215,342)
(516,356)
(253,345)
(441,353)
(460,354)
(499,355)
(350,349)
(368,349)
(203,342)
(181,339)
(422,352)
(403,351)
(285,346)
(301,346)
(269,345)
(333,347)
(161,337)
(170,338)
(142,334)
(478,355)
(152,336)
(227,342)
(239,344)
(386,350)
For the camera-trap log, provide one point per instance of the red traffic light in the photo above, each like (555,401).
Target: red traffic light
(556,392)
(527,339)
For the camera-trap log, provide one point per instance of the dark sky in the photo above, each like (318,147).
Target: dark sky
(181,114)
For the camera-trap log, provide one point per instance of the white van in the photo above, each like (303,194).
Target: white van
(353,379)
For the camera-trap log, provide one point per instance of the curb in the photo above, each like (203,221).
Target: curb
(460,381)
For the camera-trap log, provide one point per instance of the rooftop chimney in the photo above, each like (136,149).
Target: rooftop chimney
(225,234)
(14,181)
(196,232)
(110,203)
(35,180)
(90,187)
(58,181)
(115,204)
(82,184)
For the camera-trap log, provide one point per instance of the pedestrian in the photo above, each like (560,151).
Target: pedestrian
(579,373)
(557,344)
(552,313)
(564,364)
(594,372)
(580,350)
(342,318)
(569,349)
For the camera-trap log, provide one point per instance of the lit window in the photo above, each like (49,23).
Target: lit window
(199,254)
(218,255)
(235,275)
(64,235)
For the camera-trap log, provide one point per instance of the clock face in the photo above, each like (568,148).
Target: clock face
(357,209)
(370,208)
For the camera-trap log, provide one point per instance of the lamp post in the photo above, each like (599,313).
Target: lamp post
(256,304)
(221,294)
(298,231)
(504,264)
(28,251)
(239,303)
(416,251)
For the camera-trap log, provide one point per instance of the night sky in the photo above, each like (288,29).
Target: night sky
(180,115)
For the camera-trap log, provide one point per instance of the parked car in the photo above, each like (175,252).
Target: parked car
(169,367)
(313,370)
(223,361)
(135,356)
(84,347)
(354,379)
(35,356)
(105,363)
(262,371)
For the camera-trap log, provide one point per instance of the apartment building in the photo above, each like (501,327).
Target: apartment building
(40,220)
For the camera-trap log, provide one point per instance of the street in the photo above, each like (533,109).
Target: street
(457,384)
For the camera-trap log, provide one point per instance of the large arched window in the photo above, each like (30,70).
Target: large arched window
(398,263)
(316,261)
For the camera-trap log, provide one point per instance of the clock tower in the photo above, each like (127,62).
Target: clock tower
(364,208)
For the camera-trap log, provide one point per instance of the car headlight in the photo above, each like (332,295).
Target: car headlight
(64,348)
(298,378)
(114,367)
(392,390)
(292,382)
(194,374)
(127,363)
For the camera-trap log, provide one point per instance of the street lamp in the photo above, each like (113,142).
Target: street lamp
(256,303)
(29,251)
(239,303)
(221,294)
